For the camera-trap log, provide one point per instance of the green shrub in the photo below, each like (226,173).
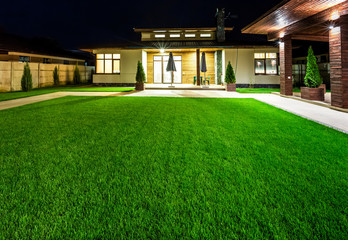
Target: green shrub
(27,79)
(77,77)
(140,77)
(230,77)
(56,76)
(312,78)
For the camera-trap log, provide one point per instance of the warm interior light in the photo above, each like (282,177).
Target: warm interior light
(334,15)
(162,50)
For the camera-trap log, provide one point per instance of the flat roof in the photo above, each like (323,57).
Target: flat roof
(179,29)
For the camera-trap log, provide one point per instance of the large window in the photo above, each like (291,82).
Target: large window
(108,63)
(266,63)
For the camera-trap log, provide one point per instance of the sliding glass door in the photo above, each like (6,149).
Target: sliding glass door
(160,75)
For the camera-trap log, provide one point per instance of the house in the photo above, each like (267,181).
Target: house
(254,62)
(315,20)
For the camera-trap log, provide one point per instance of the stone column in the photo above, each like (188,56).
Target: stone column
(285,57)
(338,41)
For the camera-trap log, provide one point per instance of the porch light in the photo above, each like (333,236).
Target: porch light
(161,50)
(282,34)
(331,27)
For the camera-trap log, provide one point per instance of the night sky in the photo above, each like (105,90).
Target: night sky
(80,23)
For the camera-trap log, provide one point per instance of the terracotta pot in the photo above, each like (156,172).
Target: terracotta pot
(231,87)
(139,86)
(316,94)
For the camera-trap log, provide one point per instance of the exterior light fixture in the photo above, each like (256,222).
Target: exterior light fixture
(162,50)
(331,26)
(282,34)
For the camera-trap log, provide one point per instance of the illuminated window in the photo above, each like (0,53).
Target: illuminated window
(174,35)
(205,35)
(266,63)
(160,35)
(108,63)
(190,35)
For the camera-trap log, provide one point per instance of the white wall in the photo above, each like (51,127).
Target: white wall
(128,68)
(242,61)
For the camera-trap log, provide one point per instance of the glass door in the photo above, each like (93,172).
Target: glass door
(160,74)
(157,69)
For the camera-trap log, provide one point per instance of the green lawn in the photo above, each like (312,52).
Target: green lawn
(257,90)
(39,91)
(162,168)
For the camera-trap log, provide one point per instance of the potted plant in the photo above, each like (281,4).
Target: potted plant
(312,80)
(230,78)
(140,78)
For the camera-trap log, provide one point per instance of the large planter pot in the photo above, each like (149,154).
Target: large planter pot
(230,87)
(316,94)
(140,86)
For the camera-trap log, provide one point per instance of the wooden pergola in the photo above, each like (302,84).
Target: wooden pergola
(315,20)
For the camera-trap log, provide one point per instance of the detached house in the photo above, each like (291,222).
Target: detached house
(254,62)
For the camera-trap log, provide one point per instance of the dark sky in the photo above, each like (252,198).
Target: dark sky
(79,23)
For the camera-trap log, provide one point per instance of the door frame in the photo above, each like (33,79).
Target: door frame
(162,73)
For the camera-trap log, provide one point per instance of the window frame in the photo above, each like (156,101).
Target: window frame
(112,59)
(265,63)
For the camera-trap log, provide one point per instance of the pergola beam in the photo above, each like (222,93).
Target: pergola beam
(318,21)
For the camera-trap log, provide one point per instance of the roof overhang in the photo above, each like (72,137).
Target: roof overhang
(179,29)
(303,18)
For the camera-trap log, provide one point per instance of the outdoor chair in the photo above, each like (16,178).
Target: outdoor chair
(207,80)
(195,80)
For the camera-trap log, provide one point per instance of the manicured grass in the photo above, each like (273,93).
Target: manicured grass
(40,91)
(257,90)
(165,168)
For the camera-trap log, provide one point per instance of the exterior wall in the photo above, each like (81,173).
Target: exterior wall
(42,74)
(189,68)
(242,61)
(128,68)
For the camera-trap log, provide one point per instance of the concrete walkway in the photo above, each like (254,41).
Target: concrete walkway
(321,114)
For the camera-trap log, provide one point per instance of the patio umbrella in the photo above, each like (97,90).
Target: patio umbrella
(203,64)
(171,66)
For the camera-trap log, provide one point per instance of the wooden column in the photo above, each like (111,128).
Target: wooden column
(198,58)
(285,57)
(339,63)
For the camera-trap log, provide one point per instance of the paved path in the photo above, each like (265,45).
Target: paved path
(34,99)
(324,115)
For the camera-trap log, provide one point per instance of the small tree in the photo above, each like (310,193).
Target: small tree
(312,78)
(77,77)
(229,76)
(27,79)
(56,76)
(140,77)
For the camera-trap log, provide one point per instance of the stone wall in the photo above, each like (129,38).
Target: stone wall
(11,74)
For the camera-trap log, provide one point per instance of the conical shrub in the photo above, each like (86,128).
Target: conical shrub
(312,78)
(27,79)
(230,76)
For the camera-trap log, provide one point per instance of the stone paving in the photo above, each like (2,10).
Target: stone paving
(321,114)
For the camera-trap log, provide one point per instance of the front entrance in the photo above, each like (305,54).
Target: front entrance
(160,75)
